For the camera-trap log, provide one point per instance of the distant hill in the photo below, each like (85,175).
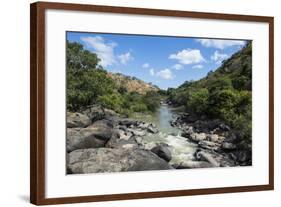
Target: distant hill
(132,84)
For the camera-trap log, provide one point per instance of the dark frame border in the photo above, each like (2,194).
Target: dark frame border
(37,102)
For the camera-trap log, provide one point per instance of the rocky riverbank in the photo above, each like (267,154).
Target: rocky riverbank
(99,140)
(217,143)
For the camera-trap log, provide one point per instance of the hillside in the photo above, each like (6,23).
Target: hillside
(235,73)
(224,94)
(238,69)
(132,84)
(90,84)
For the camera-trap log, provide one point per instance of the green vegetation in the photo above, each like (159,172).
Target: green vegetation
(88,83)
(225,94)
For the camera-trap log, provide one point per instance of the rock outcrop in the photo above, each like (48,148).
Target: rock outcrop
(114,160)
(162,151)
(77,120)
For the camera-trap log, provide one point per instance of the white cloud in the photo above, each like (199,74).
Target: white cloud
(188,56)
(165,74)
(218,57)
(151,72)
(145,65)
(220,44)
(177,66)
(197,66)
(125,58)
(104,50)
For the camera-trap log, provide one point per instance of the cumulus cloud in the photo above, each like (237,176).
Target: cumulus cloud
(151,72)
(188,56)
(220,44)
(218,57)
(177,66)
(145,65)
(197,66)
(125,58)
(104,50)
(165,74)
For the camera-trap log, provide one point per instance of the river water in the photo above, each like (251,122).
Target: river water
(181,149)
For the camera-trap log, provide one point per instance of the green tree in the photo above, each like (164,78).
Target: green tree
(85,79)
(198,101)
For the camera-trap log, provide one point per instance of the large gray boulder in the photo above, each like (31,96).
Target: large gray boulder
(102,125)
(162,151)
(113,160)
(96,135)
(94,112)
(76,119)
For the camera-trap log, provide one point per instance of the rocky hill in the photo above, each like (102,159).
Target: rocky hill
(132,84)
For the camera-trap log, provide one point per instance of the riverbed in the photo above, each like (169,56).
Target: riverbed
(181,149)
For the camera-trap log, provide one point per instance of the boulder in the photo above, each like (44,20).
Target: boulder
(137,132)
(139,140)
(109,113)
(94,112)
(76,119)
(143,125)
(125,134)
(82,138)
(228,146)
(103,129)
(197,137)
(213,137)
(93,136)
(208,145)
(152,129)
(162,151)
(128,122)
(121,143)
(204,156)
(187,131)
(113,160)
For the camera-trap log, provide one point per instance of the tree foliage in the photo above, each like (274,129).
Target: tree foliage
(225,93)
(88,83)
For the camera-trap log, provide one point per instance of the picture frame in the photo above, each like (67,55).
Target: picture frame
(39,100)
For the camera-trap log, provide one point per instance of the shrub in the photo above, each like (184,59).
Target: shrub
(198,101)
(112,101)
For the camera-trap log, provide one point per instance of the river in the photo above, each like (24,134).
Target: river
(181,149)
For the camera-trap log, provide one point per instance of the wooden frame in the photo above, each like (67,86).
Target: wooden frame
(37,102)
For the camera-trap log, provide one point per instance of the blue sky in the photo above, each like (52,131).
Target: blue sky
(164,61)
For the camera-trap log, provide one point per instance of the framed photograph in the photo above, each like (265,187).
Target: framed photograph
(130,103)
